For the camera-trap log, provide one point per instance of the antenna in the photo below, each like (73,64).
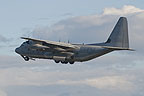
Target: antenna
(59,39)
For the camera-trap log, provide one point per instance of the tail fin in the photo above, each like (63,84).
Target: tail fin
(119,35)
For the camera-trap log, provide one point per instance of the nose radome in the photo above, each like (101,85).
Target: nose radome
(16,50)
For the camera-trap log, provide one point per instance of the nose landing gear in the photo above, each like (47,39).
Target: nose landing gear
(26,58)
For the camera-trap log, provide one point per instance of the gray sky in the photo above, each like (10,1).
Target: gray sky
(89,21)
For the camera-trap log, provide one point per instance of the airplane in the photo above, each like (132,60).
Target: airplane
(71,53)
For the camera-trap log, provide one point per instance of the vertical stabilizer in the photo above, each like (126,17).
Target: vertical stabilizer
(119,35)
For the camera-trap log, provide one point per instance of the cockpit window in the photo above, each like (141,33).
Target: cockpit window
(22,45)
(27,42)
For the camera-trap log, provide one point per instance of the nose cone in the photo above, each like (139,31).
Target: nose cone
(17,50)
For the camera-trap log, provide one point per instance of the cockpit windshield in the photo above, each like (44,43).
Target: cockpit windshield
(24,43)
(27,42)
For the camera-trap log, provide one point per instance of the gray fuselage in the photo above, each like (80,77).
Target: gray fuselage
(84,53)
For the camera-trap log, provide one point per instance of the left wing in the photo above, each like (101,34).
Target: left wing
(59,46)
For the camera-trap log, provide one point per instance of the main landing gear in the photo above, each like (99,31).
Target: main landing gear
(64,62)
(26,58)
(72,62)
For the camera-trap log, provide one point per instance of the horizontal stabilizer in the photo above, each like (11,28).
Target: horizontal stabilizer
(117,48)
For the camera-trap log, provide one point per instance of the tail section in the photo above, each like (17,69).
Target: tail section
(119,35)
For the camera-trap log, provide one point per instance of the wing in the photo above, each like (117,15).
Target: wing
(59,46)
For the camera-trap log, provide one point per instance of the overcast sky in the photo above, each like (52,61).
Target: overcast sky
(79,21)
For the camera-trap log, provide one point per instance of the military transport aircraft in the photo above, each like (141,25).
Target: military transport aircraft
(70,53)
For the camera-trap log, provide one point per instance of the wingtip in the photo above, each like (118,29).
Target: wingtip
(131,49)
(24,38)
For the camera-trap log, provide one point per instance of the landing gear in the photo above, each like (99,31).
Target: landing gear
(71,62)
(26,58)
(64,62)
(57,61)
